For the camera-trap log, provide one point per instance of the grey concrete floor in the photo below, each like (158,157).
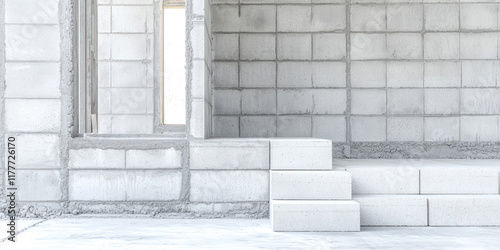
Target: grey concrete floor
(149,233)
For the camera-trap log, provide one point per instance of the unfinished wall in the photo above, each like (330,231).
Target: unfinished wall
(126,66)
(381,78)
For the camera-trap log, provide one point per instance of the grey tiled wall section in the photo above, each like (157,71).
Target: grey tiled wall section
(357,71)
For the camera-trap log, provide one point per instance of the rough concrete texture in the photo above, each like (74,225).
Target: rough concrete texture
(399,58)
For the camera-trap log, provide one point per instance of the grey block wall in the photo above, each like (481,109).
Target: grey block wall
(374,76)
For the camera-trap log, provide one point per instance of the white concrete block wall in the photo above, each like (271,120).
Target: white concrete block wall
(406,71)
(126,75)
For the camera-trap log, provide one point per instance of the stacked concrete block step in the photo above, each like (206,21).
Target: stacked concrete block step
(426,192)
(306,194)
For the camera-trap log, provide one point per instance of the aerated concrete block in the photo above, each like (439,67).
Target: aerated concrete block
(310,185)
(392,210)
(157,185)
(96,158)
(229,154)
(37,151)
(229,186)
(301,154)
(33,115)
(315,216)
(464,210)
(38,185)
(97,185)
(382,176)
(458,180)
(157,158)
(42,80)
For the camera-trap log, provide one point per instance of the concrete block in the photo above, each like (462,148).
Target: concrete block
(294,46)
(478,210)
(479,73)
(329,127)
(225,46)
(329,101)
(301,154)
(27,12)
(226,74)
(368,128)
(132,124)
(96,158)
(229,154)
(258,101)
(478,46)
(32,42)
(329,74)
(247,18)
(129,100)
(104,74)
(198,40)
(328,18)
(258,126)
(392,210)
(294,101)
(294,74)
(42,80)
(38,185)
(329,46)
(32,115)
(97,185)
(257,74)
(313,18)
(198,115)
(157,158)
(104,19)
(131,74)
(294,126)
(369,46)
(368,18)
(157,185)
(315,216)
(442,129)
(257,46)
(131,46)
(104,123)
(442,101)
(480,101)
(478,16)
(405,74)
(294,18)
(255,18)
(229,186)
(405,101)
(225,126)
(479,128)
(458,180)
(405,129)
(442,17)
(227,101)
(441,46)
(310,185)
(405,17)
(104,46)
(382,176)
(442,74)
(37,151)
(404,45)
(368,101)
(370,74)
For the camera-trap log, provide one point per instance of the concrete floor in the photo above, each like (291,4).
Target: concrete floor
(148,233)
